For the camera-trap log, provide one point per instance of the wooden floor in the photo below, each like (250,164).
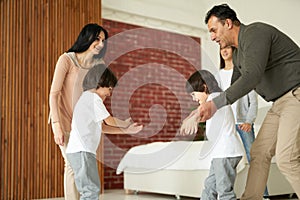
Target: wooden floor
(120,195)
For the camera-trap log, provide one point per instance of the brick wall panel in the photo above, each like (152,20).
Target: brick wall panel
(157,61)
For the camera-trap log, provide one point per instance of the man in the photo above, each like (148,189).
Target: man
(268,61)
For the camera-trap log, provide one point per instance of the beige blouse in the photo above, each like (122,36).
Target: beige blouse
(66,89)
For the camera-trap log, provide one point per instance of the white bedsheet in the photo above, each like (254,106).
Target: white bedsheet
(178,155)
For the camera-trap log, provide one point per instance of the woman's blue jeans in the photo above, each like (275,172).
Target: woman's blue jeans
(247,139)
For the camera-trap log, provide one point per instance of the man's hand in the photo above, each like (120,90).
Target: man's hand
(207,110)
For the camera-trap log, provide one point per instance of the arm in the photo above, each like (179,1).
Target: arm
(192,114)
(235,74)
(253,106)
(190,124)
(132,129)
(113,121)
(252,111)
(251,58)
(60,72)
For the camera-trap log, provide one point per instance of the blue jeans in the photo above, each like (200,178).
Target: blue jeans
(247,139)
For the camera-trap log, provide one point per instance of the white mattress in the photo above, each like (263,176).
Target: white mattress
(178,155)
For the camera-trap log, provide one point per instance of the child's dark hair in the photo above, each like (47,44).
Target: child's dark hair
(99,76)
(200,80)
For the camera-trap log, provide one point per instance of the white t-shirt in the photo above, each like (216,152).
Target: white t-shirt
(224,80)
(88,115)
(223,140)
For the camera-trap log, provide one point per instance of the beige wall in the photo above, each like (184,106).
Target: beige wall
(187,17)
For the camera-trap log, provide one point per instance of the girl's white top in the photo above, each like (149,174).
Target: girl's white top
(223,140)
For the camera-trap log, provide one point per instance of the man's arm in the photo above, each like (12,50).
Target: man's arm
(235,74)
(250,61)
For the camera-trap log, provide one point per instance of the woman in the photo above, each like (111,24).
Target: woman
(244,109)
(71,67)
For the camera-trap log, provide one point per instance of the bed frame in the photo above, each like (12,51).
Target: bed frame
(189,183)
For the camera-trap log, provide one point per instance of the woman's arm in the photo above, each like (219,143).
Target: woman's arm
(60,72)
(253,107)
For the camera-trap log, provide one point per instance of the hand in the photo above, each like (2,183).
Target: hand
(58,134)
(189,125)
(133,128)
(246,127)
(129,121)
(207,110)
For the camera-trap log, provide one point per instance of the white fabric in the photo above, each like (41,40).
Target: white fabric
(223,140)
(87,120)
(224,80)
(178,155)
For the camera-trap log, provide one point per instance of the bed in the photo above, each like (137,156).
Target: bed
(174,168)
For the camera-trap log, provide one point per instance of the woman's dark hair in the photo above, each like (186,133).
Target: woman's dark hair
(99,76)
(222,61)
(87,36)
(222,12)
(200,80)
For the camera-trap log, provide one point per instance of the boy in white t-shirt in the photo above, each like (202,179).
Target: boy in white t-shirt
(223,145)
(88,116)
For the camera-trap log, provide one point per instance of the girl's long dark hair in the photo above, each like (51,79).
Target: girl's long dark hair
(198,80)
(87,36)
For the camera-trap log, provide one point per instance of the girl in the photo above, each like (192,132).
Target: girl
(225,147)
